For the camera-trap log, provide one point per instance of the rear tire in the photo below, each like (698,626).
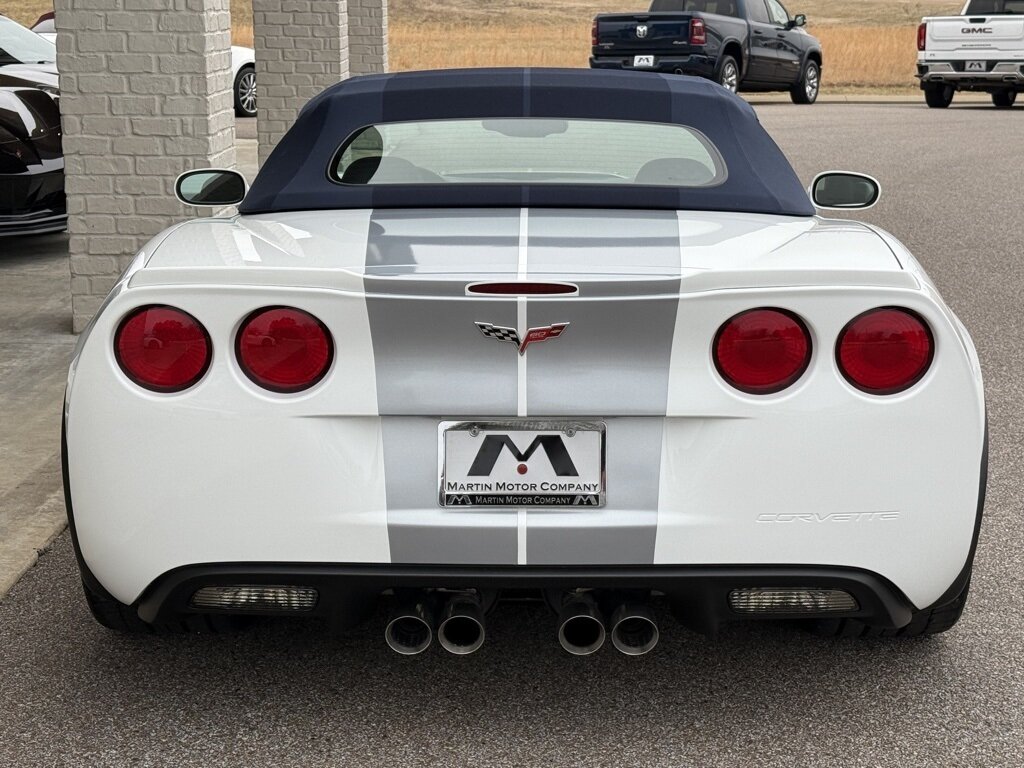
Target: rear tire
(123,618)
(938,95)
(1004,99)
(930,621)
(805,90)
(728,75)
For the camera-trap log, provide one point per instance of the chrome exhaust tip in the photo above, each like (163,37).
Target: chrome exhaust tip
(410,629)
(581,626)
(462,626)
(634,630)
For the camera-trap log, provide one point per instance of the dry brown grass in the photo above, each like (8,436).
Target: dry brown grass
(868,44)
(855,57)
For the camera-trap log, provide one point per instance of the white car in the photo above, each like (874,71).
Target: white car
(571,333)
(982,49)
(243,66)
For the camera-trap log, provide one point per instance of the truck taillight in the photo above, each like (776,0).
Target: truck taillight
(922,36)
(698,34)
(593,34)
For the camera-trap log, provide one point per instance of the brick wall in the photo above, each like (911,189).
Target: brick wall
(367,36)
(301,48)
(145,94)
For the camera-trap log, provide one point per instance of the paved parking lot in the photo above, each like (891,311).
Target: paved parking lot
(294,694)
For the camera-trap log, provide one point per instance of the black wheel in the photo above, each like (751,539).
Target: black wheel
(245,92)
(728,75)
(805,91)
(122,618)
(938,95)
(930,621)
(1004,99)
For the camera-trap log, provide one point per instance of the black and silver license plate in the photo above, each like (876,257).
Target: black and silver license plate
(521,464)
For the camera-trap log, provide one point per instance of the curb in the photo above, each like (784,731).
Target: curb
(20,551)
(857,98)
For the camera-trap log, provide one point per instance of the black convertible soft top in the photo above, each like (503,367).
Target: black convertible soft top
(295,176)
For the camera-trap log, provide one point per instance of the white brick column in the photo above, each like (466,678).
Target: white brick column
(145,94)
(367,36)
(301,48)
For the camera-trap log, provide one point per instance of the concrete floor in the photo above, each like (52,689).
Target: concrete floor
(35,347)
(288,694)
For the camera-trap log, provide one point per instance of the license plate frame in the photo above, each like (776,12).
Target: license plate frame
(975,66)
(518,444)
(645,61)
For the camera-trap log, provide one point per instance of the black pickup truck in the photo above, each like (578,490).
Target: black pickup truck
(745,45)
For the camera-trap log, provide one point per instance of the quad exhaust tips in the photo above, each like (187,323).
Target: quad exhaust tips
(634,630)
(581,626)
(460,625)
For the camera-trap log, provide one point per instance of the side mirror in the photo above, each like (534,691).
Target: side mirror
(799,20)
(211,186)
(840,191)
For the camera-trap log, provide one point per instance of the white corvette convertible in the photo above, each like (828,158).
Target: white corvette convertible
(574,334)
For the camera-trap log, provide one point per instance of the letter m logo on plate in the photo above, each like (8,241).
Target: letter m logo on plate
(493,445)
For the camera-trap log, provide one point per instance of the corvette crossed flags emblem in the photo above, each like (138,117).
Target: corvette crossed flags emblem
(532,336)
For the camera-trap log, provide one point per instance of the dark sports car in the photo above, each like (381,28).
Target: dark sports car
(31,159)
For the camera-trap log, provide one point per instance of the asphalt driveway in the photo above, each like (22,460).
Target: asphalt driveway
(294,694)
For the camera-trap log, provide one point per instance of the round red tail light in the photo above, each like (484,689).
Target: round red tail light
(162,348)
(284,349)
(762,351)
(885,351)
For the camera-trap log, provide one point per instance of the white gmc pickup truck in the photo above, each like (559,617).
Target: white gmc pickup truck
(980,50)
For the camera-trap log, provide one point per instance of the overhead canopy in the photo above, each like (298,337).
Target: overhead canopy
(295,177)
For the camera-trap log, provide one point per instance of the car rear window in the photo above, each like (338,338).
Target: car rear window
(985,7)
(721,7)
(528,151)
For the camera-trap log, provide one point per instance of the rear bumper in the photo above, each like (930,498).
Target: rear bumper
(696,64)
(698,595)
(998,75)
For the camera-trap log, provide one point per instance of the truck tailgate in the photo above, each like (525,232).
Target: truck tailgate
(643,33)
(983,37)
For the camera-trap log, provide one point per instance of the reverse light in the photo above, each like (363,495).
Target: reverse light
(698,33)
(284,349)
(162,349)
(922,36)
(885,350)
(762,351)
(256,597)
(769,600)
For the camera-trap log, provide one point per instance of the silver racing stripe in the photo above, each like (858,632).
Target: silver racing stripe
(621,533)
(419,530)
(611,364)
(615,357)
(429,355)
(432,363)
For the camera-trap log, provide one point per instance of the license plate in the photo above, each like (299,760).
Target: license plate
(522,464)
(643,61)
(975,66)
